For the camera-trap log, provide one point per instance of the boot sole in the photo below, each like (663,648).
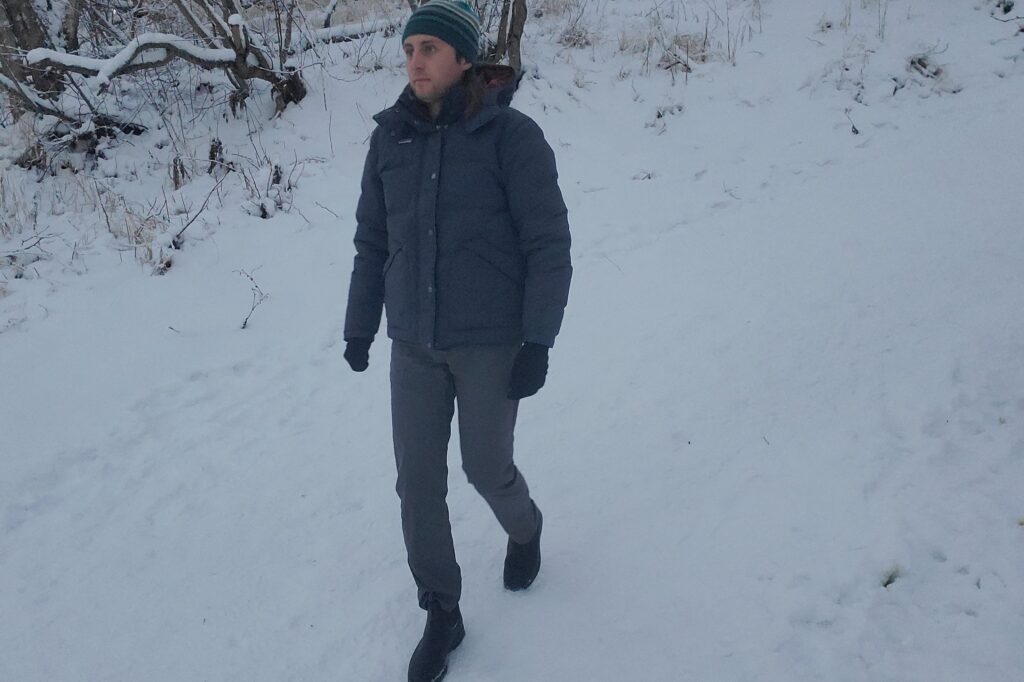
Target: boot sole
(519,588)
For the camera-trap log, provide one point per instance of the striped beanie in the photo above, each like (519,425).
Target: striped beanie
(453,21)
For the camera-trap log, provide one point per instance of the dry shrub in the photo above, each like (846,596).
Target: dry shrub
(555,8)
(635,43)
(576,35)
(134,228)
(32,158)
(693,45)
(923,65)
(16,211)
(577,32)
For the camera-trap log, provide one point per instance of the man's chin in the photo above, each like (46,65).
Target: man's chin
(424,92)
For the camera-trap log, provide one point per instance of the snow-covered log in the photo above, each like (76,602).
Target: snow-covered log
(342,33)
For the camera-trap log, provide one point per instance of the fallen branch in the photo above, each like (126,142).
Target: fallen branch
(344,33)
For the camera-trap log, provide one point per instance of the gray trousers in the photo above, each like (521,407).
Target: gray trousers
(425,386)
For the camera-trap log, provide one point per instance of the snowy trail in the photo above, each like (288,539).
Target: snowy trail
(791,371)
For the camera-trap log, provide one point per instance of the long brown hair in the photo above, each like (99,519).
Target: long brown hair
(476,88)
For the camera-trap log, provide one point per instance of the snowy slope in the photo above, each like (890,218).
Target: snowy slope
(782,438)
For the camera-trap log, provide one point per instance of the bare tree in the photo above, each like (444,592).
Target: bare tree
(510,33)
(252,58)
(21,30)
(20,25)
(515,34)
(70,24)
(32,71)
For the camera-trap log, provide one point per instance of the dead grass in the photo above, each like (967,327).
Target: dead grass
(16,211)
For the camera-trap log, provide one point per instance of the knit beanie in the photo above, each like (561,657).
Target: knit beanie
(453,21)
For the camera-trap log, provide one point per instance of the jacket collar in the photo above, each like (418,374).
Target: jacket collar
(500,84)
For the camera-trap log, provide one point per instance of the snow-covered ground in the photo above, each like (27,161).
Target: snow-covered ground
(783,433)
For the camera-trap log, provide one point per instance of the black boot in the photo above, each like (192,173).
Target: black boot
(443,633)
(522,562)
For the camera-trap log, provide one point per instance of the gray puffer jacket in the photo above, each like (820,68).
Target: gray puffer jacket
(461,228)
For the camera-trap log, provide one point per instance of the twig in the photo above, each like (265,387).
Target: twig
(38,240)
(330,121)
(605,256)
(258,297)
(853,126)
(327,209)
(177,237)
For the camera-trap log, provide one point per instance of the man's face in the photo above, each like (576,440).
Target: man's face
(432,66)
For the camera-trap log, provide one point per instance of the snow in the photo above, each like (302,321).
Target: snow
(782,437)
(41,54)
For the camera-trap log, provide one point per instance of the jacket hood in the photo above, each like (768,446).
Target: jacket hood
(501,81)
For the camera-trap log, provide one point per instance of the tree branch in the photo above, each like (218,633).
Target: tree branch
(34,101)
(148,51)
(194,22)
(28,97)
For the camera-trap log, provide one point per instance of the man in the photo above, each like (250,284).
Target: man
(463,235)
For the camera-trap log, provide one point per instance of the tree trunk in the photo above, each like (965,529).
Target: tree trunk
(22,22)
(21,30)
(69,27)
(515,34)
(502,46)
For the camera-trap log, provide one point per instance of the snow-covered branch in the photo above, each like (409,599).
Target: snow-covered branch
(33,101)
(147,51)
(218,38)
(29,97)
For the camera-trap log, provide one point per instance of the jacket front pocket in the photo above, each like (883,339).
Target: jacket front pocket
(497,259)
(482,289)
(391,260)
(399,294)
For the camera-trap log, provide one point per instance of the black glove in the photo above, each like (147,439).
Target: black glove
(528,371)
(357,353)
